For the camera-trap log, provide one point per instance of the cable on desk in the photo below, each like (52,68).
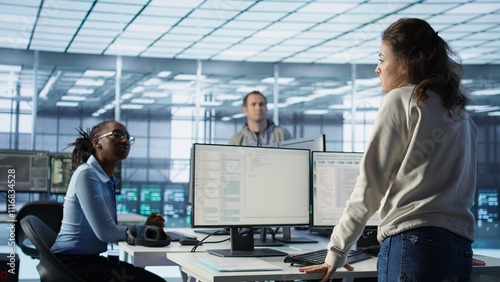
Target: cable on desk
(202,241)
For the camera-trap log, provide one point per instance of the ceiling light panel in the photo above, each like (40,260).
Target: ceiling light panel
(148,28)
(260,16)
(88,45)
(317,35)
(322,7)
(334,27)
(307,17)
(284,49)
(155,10)
(96,26)
(450,19)
(246,24)
(48,11)
(52,36)
(181,37)
(99,34)
(213,47)
(468,27)
(287,26)
(276,6)
(475,8)
(223,15)
(206,23)
(262,40)
(233,5)
(492,19)
(122,9)
(231,32)
(479,37)
(55,29)
(197,53)
(191,30)
(177,4)
(109,19)
(142,19)
(160,52)
(429,8)
(19,10)
(220,39)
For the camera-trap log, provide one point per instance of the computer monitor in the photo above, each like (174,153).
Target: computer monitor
(60,173)
(190,183)
(245,187)
(312,143)
(486,210)
(150,197)
(24,171)
(334,177)
(174,200)
(128,200)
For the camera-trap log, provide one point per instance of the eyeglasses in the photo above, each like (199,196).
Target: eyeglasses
(116,134)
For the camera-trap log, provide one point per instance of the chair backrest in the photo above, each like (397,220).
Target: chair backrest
(50,268)
(49,212)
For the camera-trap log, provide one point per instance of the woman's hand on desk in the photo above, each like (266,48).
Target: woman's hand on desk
(477,262)
(324,268)
(156,219)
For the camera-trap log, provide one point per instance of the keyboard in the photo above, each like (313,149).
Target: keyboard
(176,236)
(318,257)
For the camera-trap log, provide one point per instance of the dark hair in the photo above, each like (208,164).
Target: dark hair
(83,147)
(430,63)
(251,93)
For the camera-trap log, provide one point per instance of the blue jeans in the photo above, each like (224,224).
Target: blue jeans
(425,254)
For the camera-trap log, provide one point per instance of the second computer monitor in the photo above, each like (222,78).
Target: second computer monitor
(334,177)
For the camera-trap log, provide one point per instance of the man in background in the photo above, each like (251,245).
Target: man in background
(258,128)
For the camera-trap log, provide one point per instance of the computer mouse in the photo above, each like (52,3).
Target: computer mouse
(188,241)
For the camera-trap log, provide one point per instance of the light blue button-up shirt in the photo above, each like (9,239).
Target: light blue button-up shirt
(89,220)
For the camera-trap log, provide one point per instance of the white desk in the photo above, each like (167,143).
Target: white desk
(190,264)
(122,218)
(156,256)
(131,218)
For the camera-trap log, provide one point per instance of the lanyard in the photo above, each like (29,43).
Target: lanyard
(259,144)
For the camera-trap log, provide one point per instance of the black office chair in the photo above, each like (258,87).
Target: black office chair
(50,268)
(49,212)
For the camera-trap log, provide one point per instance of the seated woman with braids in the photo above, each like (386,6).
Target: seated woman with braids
(90,221)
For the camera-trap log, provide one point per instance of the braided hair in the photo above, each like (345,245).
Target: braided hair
(83,147)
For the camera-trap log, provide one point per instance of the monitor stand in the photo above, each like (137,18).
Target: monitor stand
(287,237)
(242,245)
(263,241)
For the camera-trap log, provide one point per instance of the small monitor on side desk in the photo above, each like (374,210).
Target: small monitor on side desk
(334,176)
(24,171)
(60,173)
(245,187)
(486,210)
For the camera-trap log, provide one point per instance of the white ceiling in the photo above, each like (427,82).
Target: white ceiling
(270,32)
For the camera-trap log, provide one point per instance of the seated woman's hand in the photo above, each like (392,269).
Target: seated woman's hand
(156,219)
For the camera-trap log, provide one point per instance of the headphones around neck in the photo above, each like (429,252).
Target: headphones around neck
(153,236)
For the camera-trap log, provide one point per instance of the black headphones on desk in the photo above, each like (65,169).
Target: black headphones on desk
(154,236)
